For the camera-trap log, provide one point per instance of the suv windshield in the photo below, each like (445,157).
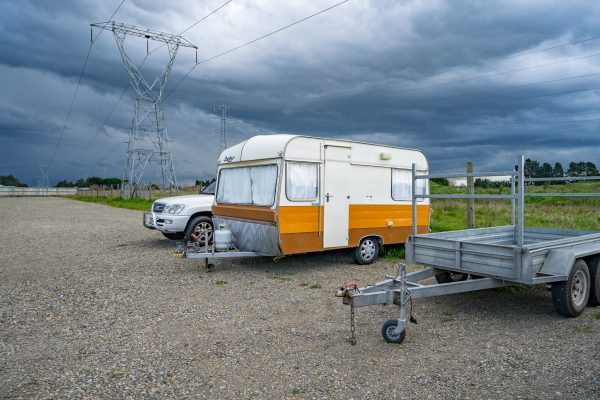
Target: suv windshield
(210,189)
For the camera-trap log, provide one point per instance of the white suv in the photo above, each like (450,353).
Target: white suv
(183,217)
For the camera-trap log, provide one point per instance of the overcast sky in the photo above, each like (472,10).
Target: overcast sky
(461,80)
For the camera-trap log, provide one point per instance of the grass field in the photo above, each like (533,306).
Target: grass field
(450,214)
(132,204)
(556,212)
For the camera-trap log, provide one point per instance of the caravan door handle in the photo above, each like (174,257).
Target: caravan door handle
(327,196)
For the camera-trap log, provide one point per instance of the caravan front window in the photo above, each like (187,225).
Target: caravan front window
(402,185)
(302,181)
(248,185)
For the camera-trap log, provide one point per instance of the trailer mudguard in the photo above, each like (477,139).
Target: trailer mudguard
(559,263)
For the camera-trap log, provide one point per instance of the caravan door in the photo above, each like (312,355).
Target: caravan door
(336,196)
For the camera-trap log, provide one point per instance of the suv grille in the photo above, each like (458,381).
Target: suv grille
(158,207)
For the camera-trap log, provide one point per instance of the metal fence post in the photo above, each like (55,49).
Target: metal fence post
(470,192)
(520,229)
(414,198)
(513,200)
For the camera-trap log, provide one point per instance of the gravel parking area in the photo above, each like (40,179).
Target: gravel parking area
(93,305)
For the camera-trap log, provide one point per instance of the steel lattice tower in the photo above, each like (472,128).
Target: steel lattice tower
(148,142)
(222,110)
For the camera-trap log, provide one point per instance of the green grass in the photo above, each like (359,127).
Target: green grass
(221,282)
(596,312)
(582,329)
(316,286)
(131,204)
(450,214)
(394,252)
(546,212)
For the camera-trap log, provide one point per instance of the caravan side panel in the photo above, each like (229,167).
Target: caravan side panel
(299,230)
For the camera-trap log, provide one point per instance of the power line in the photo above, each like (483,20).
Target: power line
(358,91)
(253,41)
(64,127)
(520,86)
(495,60)
(196,23)
(518,98)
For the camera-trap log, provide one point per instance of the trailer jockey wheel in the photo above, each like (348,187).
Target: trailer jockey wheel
(388,331)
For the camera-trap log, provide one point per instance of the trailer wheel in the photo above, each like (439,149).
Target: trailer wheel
(594,267)
(367,251)
(447,277)
(388,332)
(570,297)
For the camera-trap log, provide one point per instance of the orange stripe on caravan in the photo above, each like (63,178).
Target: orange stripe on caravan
(299,219)
(377,216)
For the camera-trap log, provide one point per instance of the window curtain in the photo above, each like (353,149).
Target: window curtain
(263,180)
(302,181)
(402,185)
(234,186)
(248,185)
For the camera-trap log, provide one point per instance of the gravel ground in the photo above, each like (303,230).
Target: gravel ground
(93,305)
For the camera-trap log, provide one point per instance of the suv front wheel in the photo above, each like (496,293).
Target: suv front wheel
(201,227)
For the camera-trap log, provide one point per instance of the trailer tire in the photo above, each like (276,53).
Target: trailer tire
(200,224)
(387,331)
(447,277)
(594,267)
(570,297)
(367,251)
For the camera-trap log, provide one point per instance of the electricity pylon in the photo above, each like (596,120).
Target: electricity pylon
(148,140)
(221,111)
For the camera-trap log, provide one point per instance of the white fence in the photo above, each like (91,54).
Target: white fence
(36,191)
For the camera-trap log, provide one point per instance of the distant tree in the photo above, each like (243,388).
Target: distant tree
(557,171)
(94,181)
(488,184)
(440,181)
(582,168)
(591,169)
(531,168)
(65,183)
(9,180)
(111,181)
(545,171)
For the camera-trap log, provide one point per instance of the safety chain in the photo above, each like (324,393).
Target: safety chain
(352,338)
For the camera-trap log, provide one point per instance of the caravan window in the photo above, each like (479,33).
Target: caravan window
(402,185)
(302,181)
(248,185)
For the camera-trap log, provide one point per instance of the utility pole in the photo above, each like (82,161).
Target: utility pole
(221,111)
(148,140)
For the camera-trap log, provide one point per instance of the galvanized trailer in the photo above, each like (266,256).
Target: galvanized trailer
(477,259)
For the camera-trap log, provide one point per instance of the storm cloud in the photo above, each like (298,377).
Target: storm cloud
(461,80)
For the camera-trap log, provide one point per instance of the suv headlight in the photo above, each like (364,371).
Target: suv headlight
(173,208)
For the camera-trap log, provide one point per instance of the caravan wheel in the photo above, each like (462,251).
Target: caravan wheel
(367,251)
